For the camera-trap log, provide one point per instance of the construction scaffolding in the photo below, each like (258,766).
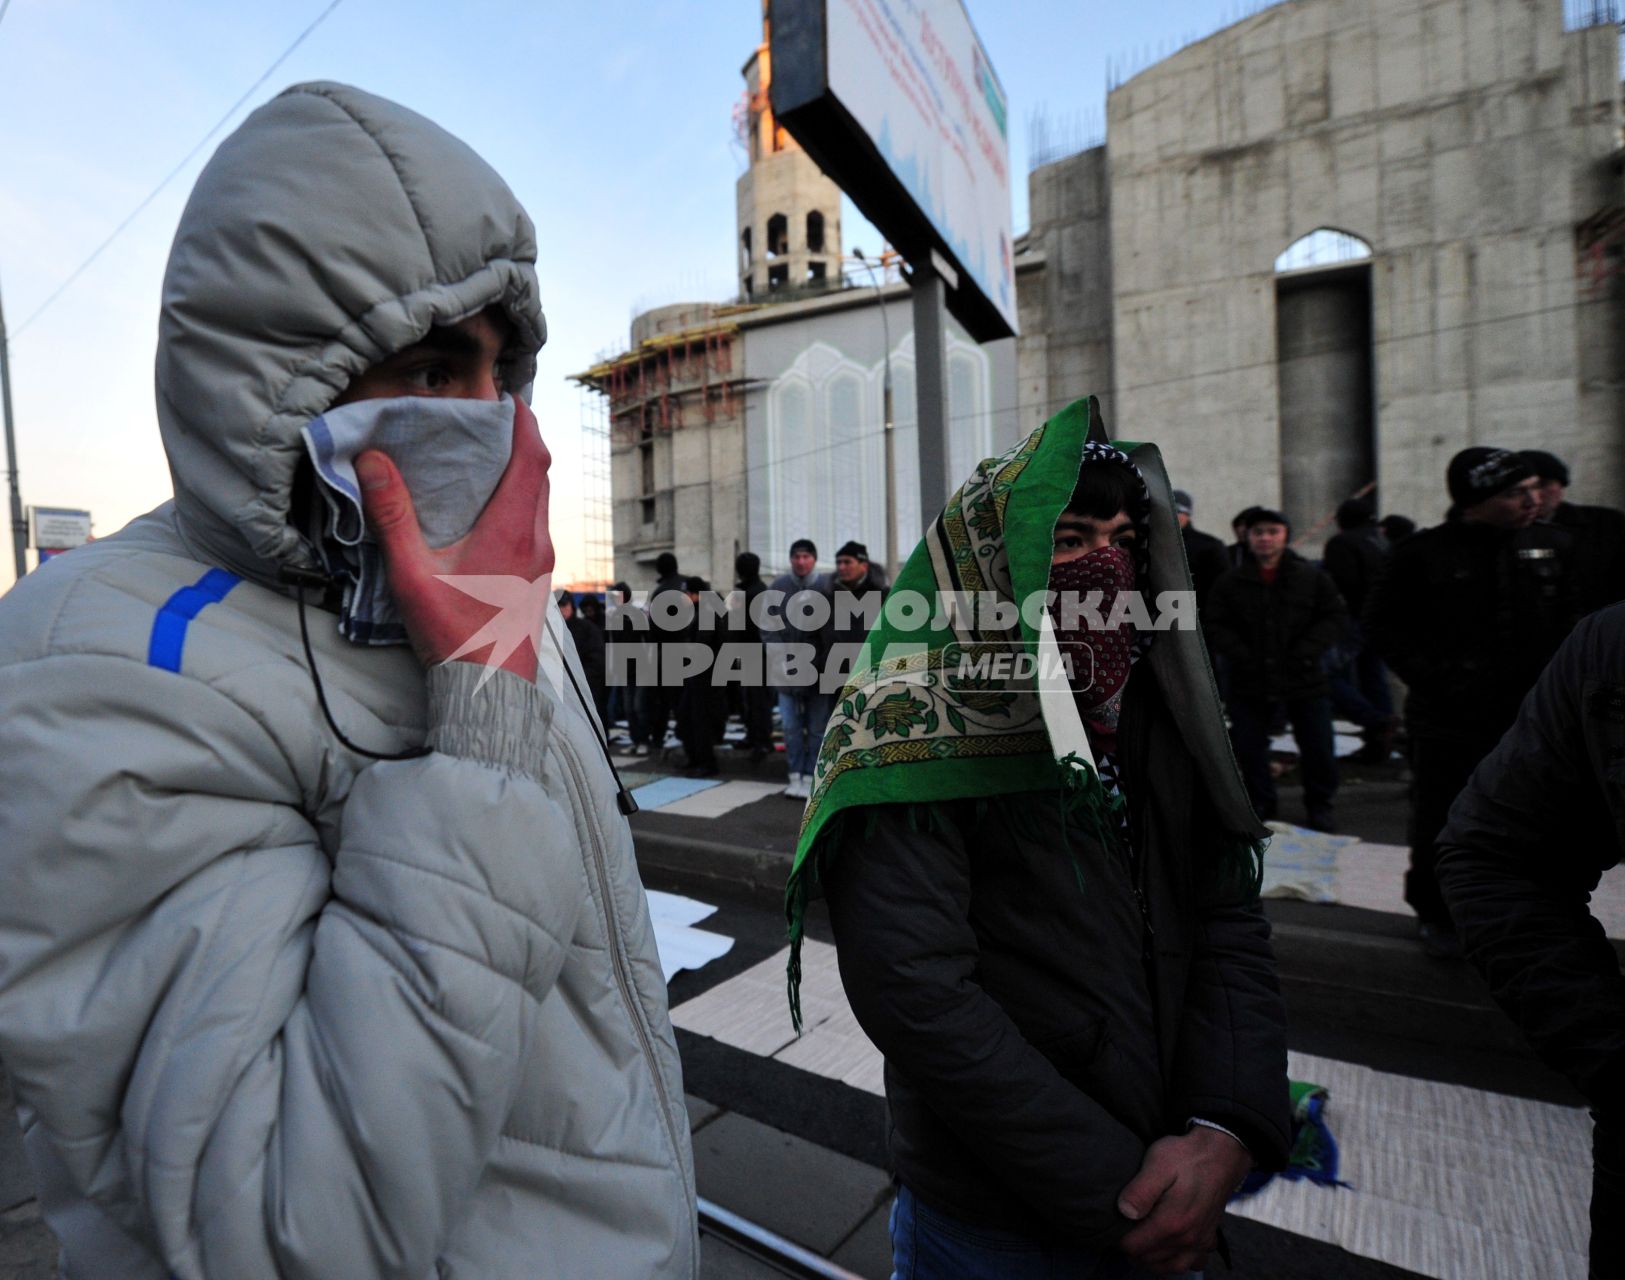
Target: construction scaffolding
(597,513)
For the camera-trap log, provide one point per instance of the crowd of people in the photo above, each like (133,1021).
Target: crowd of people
(324,952)
(700,702)
(1466,614)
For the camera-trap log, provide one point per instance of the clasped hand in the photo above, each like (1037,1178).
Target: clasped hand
(1177,1199)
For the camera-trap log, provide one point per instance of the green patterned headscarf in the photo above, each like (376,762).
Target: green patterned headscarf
(911,728)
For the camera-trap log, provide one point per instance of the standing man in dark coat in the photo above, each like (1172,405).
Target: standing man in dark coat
(1598,533)
(1355,558)
(1468,614)
(1527,841)
(1272,621)
(701,703)
(1203,552)
(588,639)
(1237,551)
(657,702)
(795,659)
(855,600)
(756,698)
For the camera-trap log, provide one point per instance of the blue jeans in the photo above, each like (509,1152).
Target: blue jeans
(1359,683)
(929,1245)
(804,713)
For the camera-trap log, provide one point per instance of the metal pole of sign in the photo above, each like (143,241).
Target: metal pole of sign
(19,525)
(930,280)
(893,559)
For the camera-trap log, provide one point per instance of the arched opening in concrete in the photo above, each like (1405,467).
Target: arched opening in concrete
(778,235)
(1326,377)
(1323,247)
(815,232)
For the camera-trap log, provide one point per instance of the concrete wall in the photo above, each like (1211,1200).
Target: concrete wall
(1464,142)
(1064,289)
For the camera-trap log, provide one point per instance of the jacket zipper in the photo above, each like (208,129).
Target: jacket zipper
(634,1009)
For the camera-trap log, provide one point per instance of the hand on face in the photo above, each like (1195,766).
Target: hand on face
(509,540)
(1178,1198)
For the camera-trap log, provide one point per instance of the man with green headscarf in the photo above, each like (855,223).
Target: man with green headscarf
(1042,872)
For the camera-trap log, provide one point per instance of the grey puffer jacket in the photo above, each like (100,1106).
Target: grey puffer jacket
(272,1008)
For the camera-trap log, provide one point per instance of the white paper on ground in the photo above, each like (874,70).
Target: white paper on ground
(1343,744)
(673,908)
(682,946)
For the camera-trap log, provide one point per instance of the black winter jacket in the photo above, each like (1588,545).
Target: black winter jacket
(1467,616)
(1038,1035)
(1599,552)
(1542,818)
(851,611)
(1207,559)
(1273,636)
(1355,559)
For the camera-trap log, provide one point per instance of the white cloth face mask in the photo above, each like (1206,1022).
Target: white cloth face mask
(451,454)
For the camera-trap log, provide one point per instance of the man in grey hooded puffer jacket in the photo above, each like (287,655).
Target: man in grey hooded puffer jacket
(274,1008)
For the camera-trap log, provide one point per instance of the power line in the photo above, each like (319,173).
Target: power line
(171,175)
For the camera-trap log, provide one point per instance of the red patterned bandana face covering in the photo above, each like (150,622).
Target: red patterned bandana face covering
(1100,658)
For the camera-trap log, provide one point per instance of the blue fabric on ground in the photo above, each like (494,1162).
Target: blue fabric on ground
(664,791)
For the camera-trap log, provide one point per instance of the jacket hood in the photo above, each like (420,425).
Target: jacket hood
(332,229)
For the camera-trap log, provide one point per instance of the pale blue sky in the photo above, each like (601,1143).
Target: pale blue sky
(610,120)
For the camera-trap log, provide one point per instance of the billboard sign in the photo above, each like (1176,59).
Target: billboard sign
(58,528)
(899,104)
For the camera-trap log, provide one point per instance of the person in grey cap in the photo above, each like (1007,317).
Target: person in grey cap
(1467,615)
(322,947)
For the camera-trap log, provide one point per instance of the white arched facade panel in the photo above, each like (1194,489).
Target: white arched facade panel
(825,445)
(789,437)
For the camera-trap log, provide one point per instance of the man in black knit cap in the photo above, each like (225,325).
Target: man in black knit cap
(1598,532)
(1467,615)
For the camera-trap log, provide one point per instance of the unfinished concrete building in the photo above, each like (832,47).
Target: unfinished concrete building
(676,442)
(1338,241)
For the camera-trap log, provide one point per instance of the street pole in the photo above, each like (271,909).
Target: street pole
(889,434)
(19,525)
(930,279)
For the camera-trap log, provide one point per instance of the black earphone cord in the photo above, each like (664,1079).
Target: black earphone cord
(299,579)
